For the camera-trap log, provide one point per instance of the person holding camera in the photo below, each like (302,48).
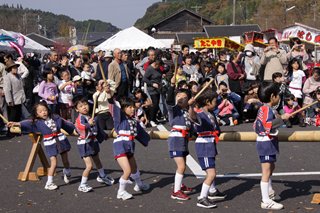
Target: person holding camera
(298,51)
(273,58)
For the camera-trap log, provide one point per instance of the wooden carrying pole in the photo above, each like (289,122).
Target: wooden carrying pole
(3,118)
(204,88)
(94,106)
(303,108)
(102,72)
(35,150)
(13,129)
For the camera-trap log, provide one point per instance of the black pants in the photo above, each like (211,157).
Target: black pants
(122,90)
(104,121)
(14,113)
(155,106)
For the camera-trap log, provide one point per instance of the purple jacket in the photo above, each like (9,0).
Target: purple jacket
(48,89)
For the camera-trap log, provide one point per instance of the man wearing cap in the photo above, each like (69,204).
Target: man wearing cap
(14,92)
(118,72)
(105,64)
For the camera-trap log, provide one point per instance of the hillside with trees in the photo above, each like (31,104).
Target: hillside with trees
(266,13)
(24,20)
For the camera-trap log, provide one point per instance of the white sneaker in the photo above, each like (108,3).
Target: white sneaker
(272,194)
(51,186)
(66,178)
(271,205)
(124,195)
(143,187)
(107,180)
(153,124)
(84,188)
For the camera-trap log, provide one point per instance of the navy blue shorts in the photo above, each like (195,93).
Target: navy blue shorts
(207,162)
(174,154)
(268,158)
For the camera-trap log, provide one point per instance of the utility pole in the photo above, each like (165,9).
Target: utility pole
(234,13)
(24,23)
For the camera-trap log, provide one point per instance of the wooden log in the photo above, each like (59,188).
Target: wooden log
(316,198)
(297,136)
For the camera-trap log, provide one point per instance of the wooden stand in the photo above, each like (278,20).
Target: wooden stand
(316,198)
(35,150)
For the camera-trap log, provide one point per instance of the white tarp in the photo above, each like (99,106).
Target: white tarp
(129,39)
(29,44)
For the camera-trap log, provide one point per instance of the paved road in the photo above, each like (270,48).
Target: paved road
(295,192)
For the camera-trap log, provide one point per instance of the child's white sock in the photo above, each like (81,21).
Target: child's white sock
(213,187)
(49,180)
(122,184)
(177,182)
(204,191)
(231,121)
(84,180)
(264,186)
(101,172)
(136,177)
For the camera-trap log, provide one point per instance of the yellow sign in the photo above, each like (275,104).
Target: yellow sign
(217,43)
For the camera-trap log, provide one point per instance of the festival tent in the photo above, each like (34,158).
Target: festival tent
(10,40)
(129,39)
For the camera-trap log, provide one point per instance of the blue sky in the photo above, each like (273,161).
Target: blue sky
(121,13)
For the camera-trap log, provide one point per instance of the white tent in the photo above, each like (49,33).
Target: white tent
(129,39)
(167,42)
(29,44)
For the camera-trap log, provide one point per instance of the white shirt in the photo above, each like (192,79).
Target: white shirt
(295,85)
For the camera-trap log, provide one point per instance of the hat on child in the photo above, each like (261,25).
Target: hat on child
(76,78)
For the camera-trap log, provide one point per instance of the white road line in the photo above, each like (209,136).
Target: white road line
(191,162)
(195,167)
(232,175)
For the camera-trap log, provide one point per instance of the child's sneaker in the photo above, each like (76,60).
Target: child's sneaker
(186,189)
(66,178)
(217,195)
(106,179)
(143,187)
(205,203)
(124,195)
(271,205)
(179,195)
(272,194)
(50,186)
(84,188)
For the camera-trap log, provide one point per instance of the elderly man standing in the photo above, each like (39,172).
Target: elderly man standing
(273,58)
(118,72)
